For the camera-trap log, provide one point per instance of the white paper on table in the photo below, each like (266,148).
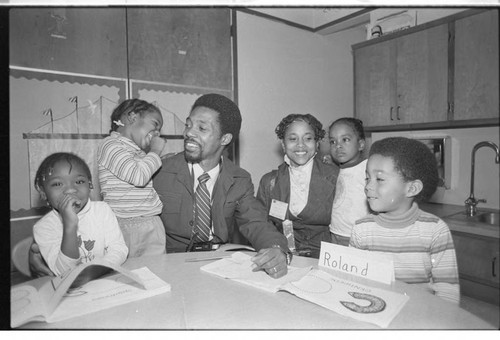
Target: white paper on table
(238,267)
(108,292)
(369,265)
(360,302)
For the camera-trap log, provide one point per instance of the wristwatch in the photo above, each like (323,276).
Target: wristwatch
(287,253)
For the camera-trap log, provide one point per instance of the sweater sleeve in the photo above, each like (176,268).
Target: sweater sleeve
(251,217)
(263,193)
(445,281)
(47,233)
(355,239)
(125,164)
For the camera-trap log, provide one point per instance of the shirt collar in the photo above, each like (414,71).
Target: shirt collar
(346,166)
(301,168)
(196,170)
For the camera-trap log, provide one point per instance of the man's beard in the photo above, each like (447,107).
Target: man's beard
(192,157)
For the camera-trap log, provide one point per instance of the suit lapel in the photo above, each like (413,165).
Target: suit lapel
(221,188)
(183,175)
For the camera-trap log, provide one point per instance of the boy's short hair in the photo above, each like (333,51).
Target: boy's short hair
(229,113)
(51,160)
(413,160)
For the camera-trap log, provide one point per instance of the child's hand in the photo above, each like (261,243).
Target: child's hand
(68,207)
(38,266)
(327,159)
(157,145)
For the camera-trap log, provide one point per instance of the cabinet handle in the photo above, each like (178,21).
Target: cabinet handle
(493,266)
(397,113)
(391,113)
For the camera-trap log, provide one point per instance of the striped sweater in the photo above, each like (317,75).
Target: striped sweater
(125,173)
(421,246)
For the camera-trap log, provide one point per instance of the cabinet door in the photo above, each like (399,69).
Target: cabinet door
(422,76)
(374,82)
(476,66)
(477,259)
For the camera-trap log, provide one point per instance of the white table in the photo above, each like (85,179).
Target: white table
(199,300)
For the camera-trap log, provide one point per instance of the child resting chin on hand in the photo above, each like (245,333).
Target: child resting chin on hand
(76,230)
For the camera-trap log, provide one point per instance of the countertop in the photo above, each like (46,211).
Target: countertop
(444,211)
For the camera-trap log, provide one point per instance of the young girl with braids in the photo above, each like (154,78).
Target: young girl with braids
(76,230)
(127,160)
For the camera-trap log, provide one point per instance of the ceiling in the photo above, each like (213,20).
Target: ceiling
(322,20)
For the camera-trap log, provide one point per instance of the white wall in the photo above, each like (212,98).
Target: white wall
(283,70)
(487,172)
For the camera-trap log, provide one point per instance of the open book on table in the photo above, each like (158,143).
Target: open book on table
(238,268)
(50,299)
(346,297)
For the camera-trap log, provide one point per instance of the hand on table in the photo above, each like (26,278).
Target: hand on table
(272,261)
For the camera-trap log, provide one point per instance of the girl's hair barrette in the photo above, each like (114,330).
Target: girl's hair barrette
(118,122)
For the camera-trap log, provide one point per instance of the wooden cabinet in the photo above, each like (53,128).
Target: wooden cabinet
(403,80)
(476,67)
(478,266)
(441,74)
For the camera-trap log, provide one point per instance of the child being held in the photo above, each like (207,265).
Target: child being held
(127,160)
(400,173)
(76,230)
(347,143)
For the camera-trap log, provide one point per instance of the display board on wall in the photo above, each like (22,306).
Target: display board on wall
(186,46)
(72,39)
(70,66)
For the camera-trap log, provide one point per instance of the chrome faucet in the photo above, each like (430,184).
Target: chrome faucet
(471,202)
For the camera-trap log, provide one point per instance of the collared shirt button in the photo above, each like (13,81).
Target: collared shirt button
(191,223)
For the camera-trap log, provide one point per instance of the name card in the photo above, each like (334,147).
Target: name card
(361,263)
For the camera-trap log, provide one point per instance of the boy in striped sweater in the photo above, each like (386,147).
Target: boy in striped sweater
(400,173)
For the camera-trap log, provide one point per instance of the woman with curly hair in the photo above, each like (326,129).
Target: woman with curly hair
(299,194)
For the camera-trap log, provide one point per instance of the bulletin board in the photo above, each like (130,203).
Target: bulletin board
(184,46)
(70,66)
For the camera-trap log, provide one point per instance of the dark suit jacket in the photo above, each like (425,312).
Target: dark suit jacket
(234,207)
(311,226)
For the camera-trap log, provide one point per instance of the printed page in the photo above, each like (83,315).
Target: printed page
(108,292)
(25,305)
(58,287)
(360,302)
(238,267)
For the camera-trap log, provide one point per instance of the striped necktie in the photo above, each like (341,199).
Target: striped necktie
(203,216)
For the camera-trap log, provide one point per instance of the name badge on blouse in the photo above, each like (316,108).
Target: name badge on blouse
(278,209)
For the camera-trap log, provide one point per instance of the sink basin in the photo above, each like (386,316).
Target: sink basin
(491,218)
